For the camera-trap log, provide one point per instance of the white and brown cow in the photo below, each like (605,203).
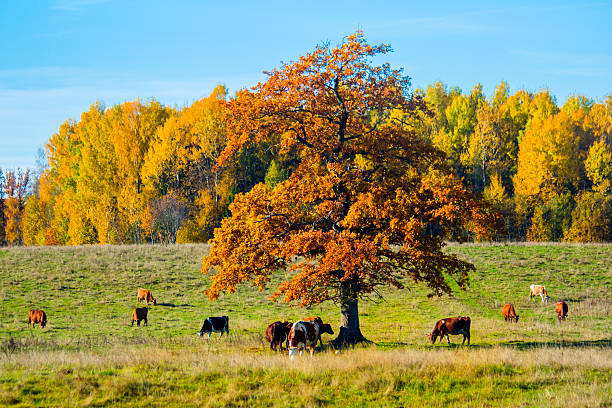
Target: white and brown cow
(538,290)
(215,325)
(305,335)
(328,328)
(451,325)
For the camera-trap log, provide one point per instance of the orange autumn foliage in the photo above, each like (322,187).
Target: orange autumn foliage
(370,201)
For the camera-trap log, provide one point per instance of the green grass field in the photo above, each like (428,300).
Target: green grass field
(88,355)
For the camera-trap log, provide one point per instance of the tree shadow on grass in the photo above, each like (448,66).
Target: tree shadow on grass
(526,345)
(516,344)
(173,305)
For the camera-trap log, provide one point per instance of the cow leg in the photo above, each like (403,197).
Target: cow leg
(146,322)
(209,333)
(448,339)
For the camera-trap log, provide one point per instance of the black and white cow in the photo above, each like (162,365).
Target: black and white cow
(214,325)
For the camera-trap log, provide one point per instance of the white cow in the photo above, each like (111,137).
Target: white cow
(535,290)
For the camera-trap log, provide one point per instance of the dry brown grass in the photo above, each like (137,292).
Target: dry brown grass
(132,375)
(203,358)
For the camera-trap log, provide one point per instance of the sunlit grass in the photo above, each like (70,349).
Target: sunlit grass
(88,354)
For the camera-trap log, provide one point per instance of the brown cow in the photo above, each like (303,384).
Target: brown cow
(277,333)
(509,313)
(37,316)
(145,295)
(451,325)
(561,309)
(140,313)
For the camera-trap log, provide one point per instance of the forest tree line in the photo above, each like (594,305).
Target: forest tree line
(142,172)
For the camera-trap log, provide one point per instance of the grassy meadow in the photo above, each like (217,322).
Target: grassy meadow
(88,355)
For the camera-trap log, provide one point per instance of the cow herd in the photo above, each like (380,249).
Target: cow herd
(461,325)
(535,290)
(298,336)
(305,334)
(560,307)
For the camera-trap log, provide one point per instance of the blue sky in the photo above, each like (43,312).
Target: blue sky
(60,56)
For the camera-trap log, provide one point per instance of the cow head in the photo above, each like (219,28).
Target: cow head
(547,298)
(206,327)
(316,319)
(326,328)
(516,318)
(154,302)
(44,321)
(433,336)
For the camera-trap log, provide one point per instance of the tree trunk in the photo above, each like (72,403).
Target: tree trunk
(349,333)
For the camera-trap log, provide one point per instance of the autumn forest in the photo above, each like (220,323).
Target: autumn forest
(143,172)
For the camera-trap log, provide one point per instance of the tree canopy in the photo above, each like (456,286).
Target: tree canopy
(369,202)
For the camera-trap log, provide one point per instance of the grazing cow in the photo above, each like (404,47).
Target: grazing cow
(561,309)
(305,334)
(509,313)
(140,313)
(535,290)
(214,325)
(277,333)
(451,325)
(145,295)
(37,316)
(320,321)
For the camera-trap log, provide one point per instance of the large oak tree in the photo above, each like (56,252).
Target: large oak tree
(370,201)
